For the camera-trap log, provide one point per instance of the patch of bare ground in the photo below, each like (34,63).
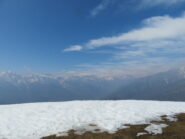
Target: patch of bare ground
(175,130)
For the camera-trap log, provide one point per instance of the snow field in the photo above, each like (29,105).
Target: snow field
(33,121)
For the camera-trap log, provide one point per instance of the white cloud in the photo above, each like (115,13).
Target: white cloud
(135,68)
(152,3)
(73,48)
(134,4)
(157,45)
(155,28)
(102,6)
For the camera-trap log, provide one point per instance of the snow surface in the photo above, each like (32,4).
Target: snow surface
(141,134)
(155,128)
(171,118)
(33,121)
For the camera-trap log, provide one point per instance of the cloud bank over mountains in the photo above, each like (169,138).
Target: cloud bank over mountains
(158,42)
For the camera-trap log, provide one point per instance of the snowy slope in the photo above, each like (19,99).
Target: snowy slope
(32,121)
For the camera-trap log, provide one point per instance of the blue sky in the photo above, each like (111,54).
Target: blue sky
(93,36)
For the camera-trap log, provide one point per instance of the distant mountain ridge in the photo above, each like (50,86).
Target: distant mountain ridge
(17,88)
(168,85)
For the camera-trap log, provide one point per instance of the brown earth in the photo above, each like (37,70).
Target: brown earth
(175,130)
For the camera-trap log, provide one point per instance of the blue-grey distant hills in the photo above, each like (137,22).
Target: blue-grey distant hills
(18,88)
(15,88)
(168,86)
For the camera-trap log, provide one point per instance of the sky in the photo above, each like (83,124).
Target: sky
(112,37)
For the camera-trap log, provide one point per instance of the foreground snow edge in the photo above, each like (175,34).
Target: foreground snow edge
(33,121)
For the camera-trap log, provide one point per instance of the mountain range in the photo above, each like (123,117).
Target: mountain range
(169,85)
(18,88)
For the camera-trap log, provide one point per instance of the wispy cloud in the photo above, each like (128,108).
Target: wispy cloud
(154,28)
(152,3)
(73,48)
(157,45)
(134,4)
(102,6)
(135,68)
